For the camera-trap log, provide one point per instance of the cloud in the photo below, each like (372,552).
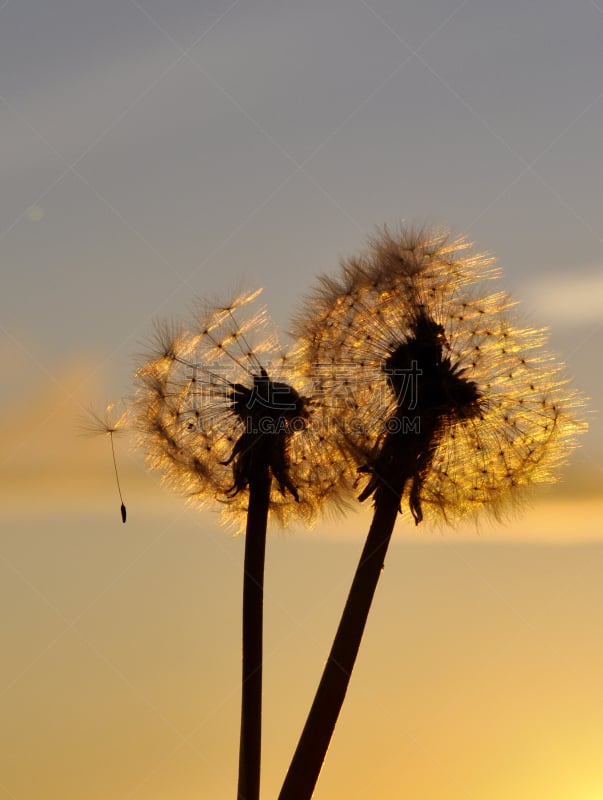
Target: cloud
(573,299)
(44,454)
(47,467)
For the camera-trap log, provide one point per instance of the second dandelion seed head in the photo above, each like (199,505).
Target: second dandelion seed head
(432,383)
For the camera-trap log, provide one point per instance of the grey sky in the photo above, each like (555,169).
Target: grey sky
(157,151)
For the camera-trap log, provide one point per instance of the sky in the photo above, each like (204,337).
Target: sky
(156,152)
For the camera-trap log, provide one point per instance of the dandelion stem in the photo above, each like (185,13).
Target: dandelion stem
(253,601)
(315,738)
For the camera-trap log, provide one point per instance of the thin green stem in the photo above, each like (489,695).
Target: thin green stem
(314,741)
(253,603)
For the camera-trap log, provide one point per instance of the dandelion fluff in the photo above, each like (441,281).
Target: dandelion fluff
(493,412)
(219,395)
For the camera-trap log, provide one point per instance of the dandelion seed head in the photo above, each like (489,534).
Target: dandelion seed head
(428,375)
(221,397)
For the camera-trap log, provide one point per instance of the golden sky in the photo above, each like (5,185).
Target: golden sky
(479,675)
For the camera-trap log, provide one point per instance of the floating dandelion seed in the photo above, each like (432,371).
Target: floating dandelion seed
(446,401)
(110,423)
(223,415)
